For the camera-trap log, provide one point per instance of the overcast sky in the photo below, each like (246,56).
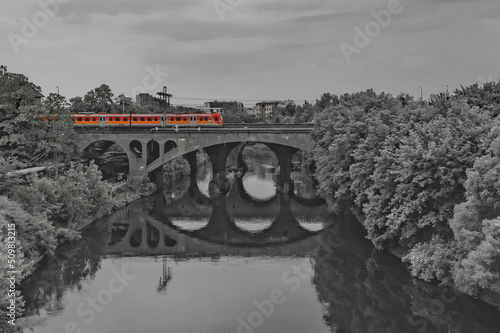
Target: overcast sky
(251,50)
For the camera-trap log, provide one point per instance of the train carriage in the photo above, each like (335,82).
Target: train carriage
(148,120)
(117,120)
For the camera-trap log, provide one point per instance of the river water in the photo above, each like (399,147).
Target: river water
(251,261)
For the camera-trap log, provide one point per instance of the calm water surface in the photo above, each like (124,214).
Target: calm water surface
(253,261)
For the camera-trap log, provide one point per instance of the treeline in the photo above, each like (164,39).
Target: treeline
(425,177)
(47,209)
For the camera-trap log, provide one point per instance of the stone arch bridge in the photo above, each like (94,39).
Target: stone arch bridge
(148,149)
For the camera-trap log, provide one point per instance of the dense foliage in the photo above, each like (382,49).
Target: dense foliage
(46,209)
(425,177)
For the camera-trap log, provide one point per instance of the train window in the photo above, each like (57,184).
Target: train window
(94,118)
(178,118)
(155,118)
(216,118)
(78,119)
(87,119)
(149,118)
(142,118)
(135,118)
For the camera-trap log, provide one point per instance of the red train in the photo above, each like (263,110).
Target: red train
(147,120)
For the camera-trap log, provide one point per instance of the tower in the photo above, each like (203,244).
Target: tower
(164,97)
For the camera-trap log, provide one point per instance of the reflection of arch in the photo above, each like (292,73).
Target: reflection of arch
(253,227)
(136,238)
(118,233)
(238,190)
(312,202)
(153,235)
(221,229)
(136,147)
(169,145)
(178,224)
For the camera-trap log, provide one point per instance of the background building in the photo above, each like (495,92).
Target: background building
(222,106)
(145,99)
(264,108)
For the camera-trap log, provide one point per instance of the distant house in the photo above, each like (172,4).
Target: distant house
(264,108)
(222,106)
(251,111)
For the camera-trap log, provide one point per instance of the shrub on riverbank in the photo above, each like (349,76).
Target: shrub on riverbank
(423,175)
(69,200)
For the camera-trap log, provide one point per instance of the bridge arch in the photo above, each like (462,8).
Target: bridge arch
(136,147)
(153,149)
(110,162)
(188,140)
(169,145)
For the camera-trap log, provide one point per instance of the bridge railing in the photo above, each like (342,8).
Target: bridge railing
(119,184)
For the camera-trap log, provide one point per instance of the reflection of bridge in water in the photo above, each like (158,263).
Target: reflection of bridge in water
(239,204)
(139,231)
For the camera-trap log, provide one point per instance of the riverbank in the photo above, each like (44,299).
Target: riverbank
(124,195)
(486,296)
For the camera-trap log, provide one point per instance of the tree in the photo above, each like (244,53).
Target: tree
(486,96)
(16,90)
(28,138)
(125,104)
(327,100)
(100,100)
(55,103)
(305,113)
(78,105)
(70,199)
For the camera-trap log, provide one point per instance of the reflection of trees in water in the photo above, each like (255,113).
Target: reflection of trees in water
(257,154)
(203,172)
(71,264)
(365,290)
(305,184)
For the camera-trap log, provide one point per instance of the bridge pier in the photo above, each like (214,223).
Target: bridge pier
(137,163)
(284,155)
(218,155)
(235,158)
(193,164)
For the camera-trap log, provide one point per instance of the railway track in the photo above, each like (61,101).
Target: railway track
(261,128)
